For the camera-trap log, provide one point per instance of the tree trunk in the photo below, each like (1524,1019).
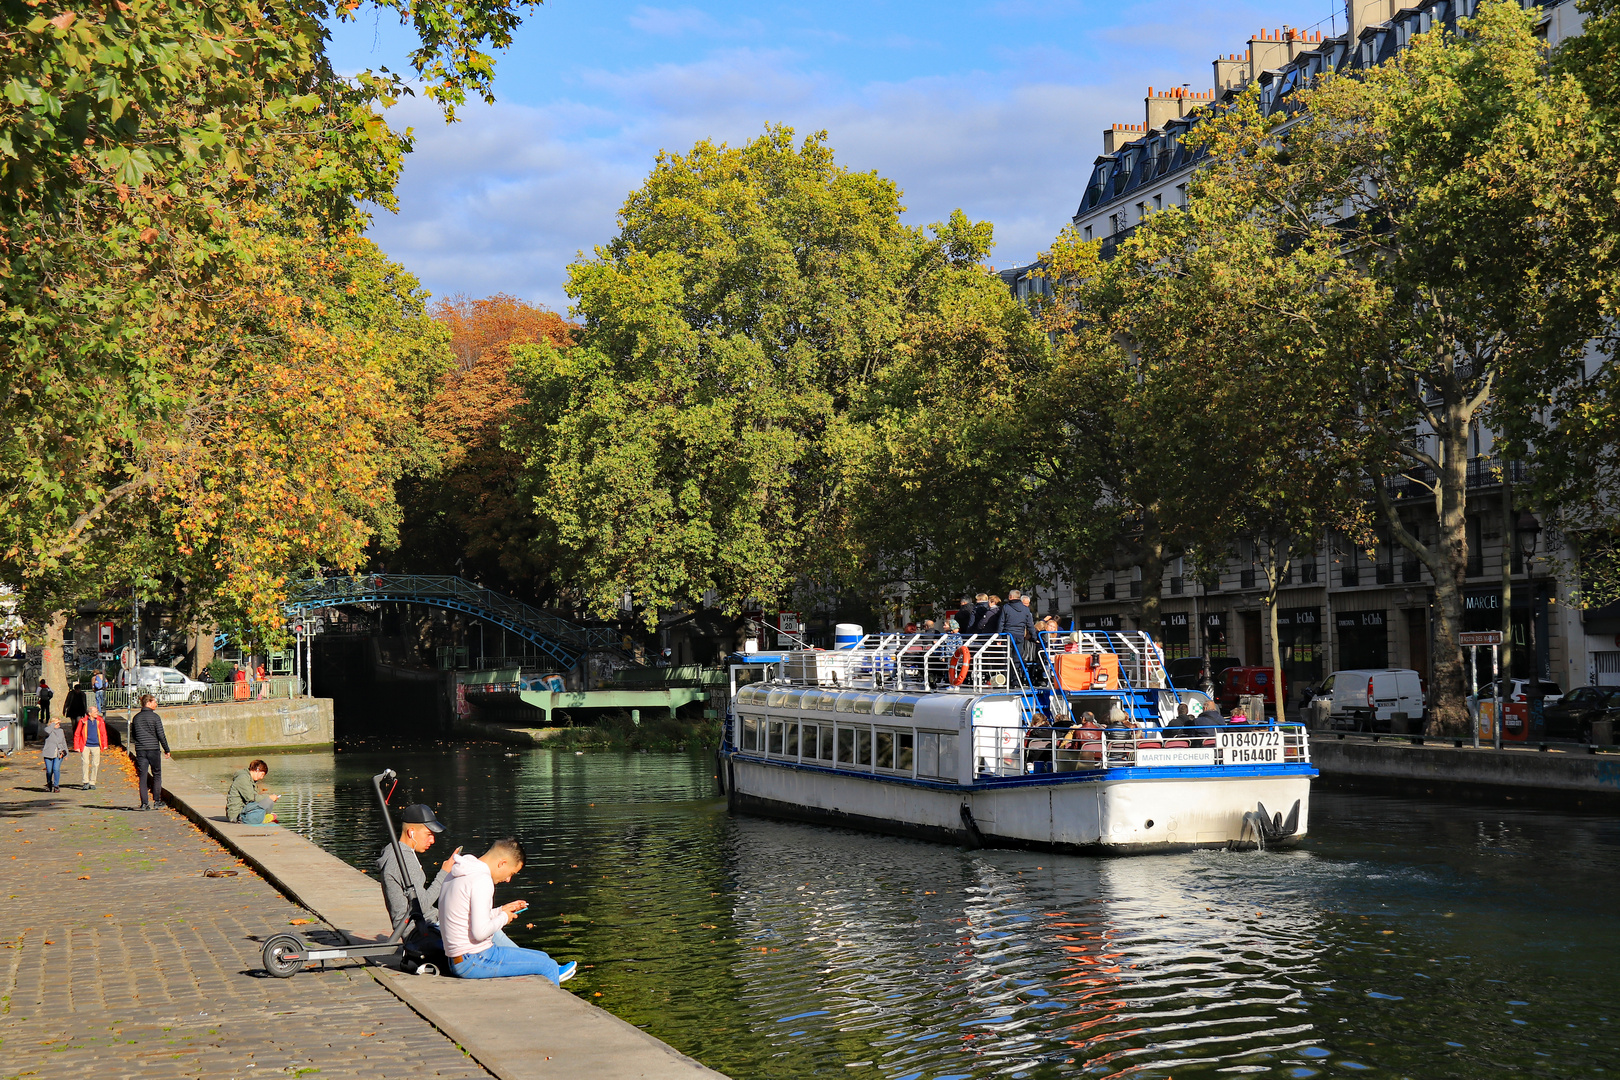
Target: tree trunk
(1279,556)
(202,650)
(1450,570)
(1152,563)
(1510,545)
(52,667)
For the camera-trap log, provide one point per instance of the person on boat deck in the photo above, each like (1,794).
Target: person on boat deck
(974,622)
(1210,716)
(1016,619)
(991,623)
(470,921)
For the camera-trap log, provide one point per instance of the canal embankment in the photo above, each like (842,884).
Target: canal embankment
(518,1029)
(277,725)
(1567,775)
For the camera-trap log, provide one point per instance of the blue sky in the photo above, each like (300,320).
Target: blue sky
(996,107)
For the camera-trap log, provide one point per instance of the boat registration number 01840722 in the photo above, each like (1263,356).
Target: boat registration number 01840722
(1261,747)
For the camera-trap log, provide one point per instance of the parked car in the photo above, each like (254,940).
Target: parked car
(168,685)
(1201,673)
(1367,699)
(1572,715)
(1236,682)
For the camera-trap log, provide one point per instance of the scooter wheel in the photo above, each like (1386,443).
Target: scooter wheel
(284,956)
(427,969)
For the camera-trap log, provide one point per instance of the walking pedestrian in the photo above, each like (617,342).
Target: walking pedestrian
(88,739)
(151,746)
(45,695)
(74,707)
(54,750)
(98,683)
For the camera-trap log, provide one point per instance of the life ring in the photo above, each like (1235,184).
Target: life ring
(961,660)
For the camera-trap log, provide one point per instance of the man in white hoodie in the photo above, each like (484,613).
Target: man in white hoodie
(469,920)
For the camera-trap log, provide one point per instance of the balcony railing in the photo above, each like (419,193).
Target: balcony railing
(1482,472)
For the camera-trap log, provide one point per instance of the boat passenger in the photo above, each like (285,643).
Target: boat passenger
(1016,619)
(991,623)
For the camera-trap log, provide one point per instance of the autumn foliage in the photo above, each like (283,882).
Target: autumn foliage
(471,516)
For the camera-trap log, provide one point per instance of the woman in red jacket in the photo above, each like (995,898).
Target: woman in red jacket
(88,738)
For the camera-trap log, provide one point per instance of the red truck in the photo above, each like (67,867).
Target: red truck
(1239,681)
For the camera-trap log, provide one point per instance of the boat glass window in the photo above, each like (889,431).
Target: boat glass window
(885,748)
(750,733)
(904,705)
(819,700)
(809,740)
(776,737)
(863,746)
(903,741)
(751,695)
(927,754)
(862,704)
(846,701)
(846,745)
(947,757)
(779,696)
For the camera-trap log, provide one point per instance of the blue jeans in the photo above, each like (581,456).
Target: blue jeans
(101,702)
(255,813)
(53,772)
(499,962)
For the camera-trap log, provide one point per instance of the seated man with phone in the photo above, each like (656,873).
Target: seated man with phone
(470,923)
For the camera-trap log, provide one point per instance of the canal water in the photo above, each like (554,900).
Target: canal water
(1406,938)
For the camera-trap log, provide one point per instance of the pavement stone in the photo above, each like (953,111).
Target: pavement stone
(118,958)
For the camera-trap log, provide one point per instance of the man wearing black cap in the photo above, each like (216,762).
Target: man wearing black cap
(420,828)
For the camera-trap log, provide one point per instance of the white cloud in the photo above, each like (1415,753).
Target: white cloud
(503,200)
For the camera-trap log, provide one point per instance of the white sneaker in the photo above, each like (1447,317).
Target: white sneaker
(567,971)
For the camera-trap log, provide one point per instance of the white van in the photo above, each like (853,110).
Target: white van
(1364,699)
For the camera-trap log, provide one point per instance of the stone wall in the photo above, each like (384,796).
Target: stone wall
(237,726)
(1568,778)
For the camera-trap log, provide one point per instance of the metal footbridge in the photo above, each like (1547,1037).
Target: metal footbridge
(558,638)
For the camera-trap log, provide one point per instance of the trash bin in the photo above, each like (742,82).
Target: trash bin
(1603,732)
(11,739)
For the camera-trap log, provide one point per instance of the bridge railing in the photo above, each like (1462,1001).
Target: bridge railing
(454,592)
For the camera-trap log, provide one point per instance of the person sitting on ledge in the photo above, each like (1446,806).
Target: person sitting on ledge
(246,802)
(419,830)
(469,920)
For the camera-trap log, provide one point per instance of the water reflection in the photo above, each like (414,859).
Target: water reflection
(1404,939)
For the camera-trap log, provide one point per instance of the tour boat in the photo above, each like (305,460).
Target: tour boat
(956,739)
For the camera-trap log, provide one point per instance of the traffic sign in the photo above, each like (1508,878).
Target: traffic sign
(1480,637)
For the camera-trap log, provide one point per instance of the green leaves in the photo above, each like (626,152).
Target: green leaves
(755,341)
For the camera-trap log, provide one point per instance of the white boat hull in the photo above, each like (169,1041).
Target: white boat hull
(1121,811)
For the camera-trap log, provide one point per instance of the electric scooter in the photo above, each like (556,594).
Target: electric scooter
(285,954)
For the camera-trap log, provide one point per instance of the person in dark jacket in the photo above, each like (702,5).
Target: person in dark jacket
(973,621)
(75,706)
(45,695)
(991,622)
(151,746)
(1016,618)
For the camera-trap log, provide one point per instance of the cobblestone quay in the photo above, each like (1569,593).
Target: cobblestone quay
(119,958)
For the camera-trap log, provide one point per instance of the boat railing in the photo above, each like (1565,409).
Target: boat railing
(1038,749)
(1141,663)
(919,662)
